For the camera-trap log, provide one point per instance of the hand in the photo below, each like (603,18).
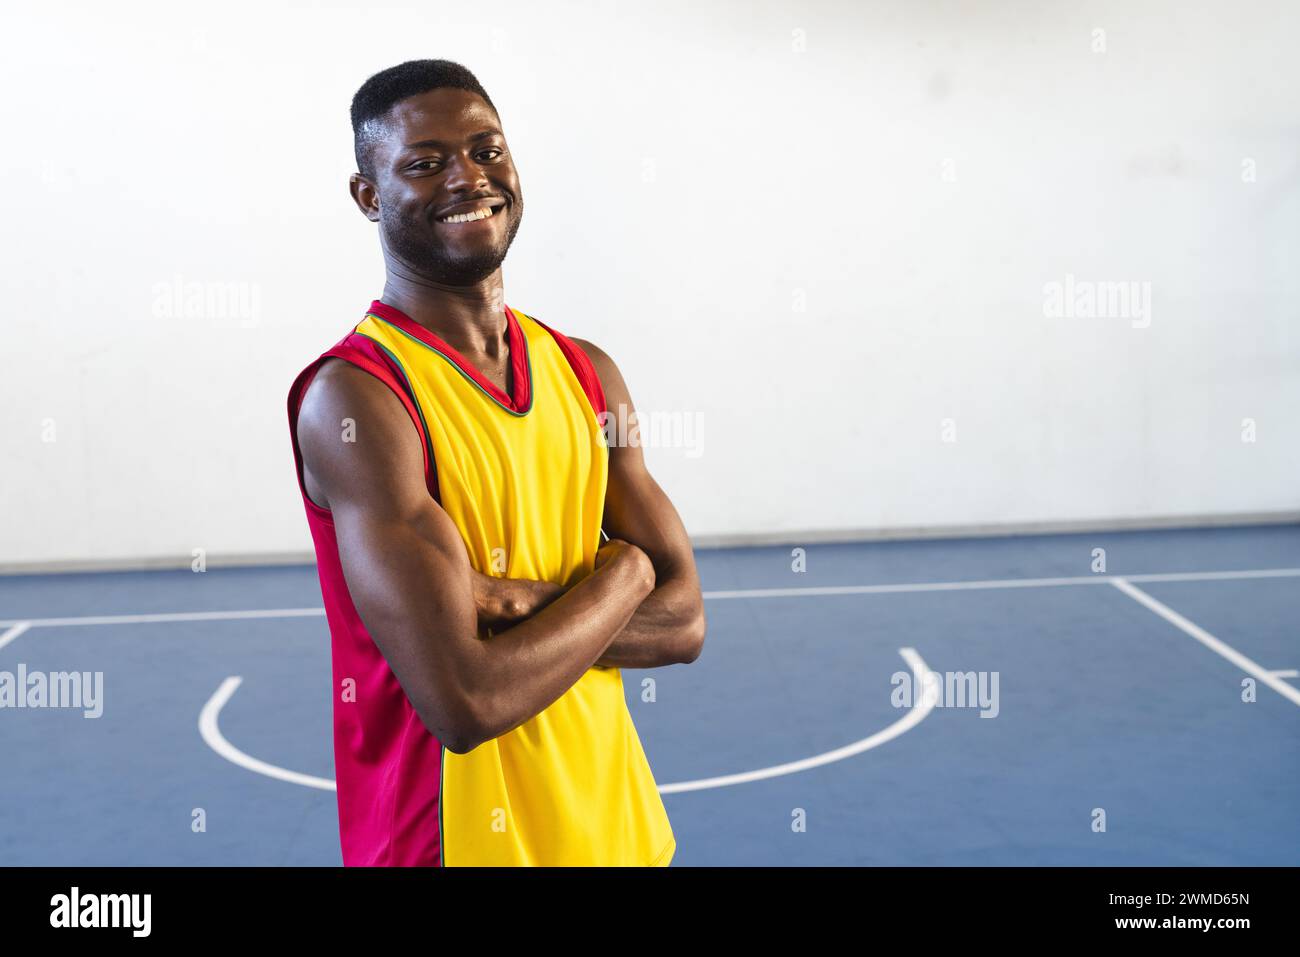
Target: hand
(525,598)
(502,602)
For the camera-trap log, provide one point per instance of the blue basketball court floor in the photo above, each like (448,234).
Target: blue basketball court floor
(1144,714)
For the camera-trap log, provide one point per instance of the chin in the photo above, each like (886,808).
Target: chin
(466,272)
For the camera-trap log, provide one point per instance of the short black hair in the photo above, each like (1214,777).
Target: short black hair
(385,89)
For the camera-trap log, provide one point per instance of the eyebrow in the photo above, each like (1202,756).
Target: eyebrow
(481,135)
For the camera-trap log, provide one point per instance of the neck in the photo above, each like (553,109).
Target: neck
(471,319)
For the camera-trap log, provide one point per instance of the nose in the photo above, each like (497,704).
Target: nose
(464,174)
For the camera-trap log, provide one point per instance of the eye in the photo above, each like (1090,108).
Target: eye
(494,150)
(424,164)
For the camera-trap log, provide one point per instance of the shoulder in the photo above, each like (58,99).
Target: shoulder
(336,382)
(605,366)
(354,371)
(614,387)
(342,393)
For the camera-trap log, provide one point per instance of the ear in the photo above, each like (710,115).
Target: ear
(366,195)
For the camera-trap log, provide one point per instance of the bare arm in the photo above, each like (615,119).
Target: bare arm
(669,625)
(409,575)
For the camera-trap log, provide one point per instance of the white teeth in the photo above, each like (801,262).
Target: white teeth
(469,217)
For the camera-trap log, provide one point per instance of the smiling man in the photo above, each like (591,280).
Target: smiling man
(457,479)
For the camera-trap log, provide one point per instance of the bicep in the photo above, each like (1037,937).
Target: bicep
(403,558)
(637,509)
(409,580)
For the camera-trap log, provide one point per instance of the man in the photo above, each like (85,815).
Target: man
(456,478)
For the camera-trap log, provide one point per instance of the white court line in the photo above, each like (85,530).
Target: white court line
(1287,673)
(1213,576)
(171,616)
(211,733)
(1209,641)
(810,592)
(15,630)
(998,583)
(914,716)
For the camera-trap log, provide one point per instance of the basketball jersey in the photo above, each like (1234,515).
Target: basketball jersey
(523,477)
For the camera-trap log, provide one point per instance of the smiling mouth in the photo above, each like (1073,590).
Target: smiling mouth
(487,212)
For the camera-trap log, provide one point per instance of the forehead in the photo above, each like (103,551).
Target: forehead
(447,115)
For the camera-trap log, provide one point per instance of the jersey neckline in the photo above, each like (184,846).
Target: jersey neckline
(520,368)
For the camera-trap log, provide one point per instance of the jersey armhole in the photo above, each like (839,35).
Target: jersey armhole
(360,351)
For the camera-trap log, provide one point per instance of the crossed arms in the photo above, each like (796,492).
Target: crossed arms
(409,575)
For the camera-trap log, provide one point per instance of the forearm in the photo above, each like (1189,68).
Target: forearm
(666,629)
(524,668)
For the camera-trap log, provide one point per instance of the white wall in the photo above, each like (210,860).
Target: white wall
(912,177)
